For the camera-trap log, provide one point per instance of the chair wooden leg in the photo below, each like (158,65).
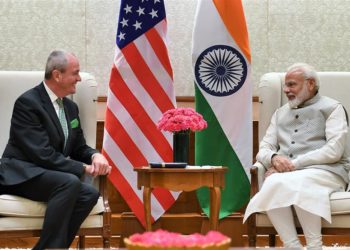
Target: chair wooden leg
(106,232)
(106,242)
(251,226)
(81,241)
(272,240)
(251,240)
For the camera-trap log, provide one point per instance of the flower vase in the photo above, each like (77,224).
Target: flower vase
(181,142)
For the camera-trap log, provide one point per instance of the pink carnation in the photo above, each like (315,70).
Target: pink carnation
(165,239)
(181,119)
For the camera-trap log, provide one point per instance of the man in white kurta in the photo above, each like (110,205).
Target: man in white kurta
(304,154)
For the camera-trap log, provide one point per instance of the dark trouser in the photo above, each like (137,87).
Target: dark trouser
(69,202)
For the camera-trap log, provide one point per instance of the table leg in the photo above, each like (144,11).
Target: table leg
(215,198)
(147,206)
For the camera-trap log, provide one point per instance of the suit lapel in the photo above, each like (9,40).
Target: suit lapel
(48,106)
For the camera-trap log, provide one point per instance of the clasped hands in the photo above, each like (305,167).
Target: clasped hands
(280,164)
(99,166)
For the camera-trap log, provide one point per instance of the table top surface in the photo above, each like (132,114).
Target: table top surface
(181,170)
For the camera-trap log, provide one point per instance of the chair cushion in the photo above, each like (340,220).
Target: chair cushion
(338,221)
(15,206)
(340,206)
(24,223)
(14,83)
(340,203)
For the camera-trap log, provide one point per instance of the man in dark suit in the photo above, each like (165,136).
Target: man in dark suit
(46,155)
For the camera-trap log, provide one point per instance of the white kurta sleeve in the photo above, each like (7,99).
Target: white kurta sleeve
(332,151)
(268,145)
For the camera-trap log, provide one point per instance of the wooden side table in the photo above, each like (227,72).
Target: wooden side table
(182,179)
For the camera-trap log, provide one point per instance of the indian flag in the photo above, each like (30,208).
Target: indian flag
(223,91)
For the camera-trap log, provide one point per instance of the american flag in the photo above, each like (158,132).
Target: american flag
(140,90)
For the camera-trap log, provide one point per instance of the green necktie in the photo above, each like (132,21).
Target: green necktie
(63,120)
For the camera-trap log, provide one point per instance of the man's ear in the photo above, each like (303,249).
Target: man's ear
(56,75)
(311,84)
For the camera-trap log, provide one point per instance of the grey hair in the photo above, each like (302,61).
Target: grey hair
(308,71)
(57,60)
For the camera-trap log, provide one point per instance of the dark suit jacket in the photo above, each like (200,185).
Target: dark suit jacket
(36,140)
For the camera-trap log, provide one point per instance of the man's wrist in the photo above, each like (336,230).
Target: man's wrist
(93,155)
(272,156)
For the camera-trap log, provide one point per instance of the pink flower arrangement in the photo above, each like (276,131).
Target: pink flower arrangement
(181,119)
(163,238)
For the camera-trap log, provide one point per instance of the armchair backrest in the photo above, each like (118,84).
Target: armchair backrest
(332,84)
(14,83)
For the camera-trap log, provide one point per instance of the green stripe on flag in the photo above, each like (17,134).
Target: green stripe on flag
(213,148)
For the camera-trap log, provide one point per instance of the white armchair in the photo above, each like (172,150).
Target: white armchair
(333,84)
(20,217)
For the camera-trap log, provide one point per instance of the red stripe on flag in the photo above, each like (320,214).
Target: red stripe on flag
(125,190)
(141,118)
(159,49)
(123,140)
(145,76)
(160,95)
(134,155)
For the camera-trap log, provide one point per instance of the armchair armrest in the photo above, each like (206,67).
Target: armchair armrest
(104,192)
(254,185)
(107,221)
(257,173)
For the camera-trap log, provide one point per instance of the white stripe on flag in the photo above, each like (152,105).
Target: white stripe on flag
(238,133)
(127,170)
(141,79)
(132,129)
(137,89)
(162,30)
(157,68)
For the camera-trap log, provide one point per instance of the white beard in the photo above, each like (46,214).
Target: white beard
(293,104)
(303,96)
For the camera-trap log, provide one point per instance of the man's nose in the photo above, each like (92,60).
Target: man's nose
(285,89)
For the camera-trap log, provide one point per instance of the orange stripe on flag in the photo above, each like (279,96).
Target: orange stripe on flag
(232,14)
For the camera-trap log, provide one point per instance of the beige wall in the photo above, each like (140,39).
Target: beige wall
(281,32)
